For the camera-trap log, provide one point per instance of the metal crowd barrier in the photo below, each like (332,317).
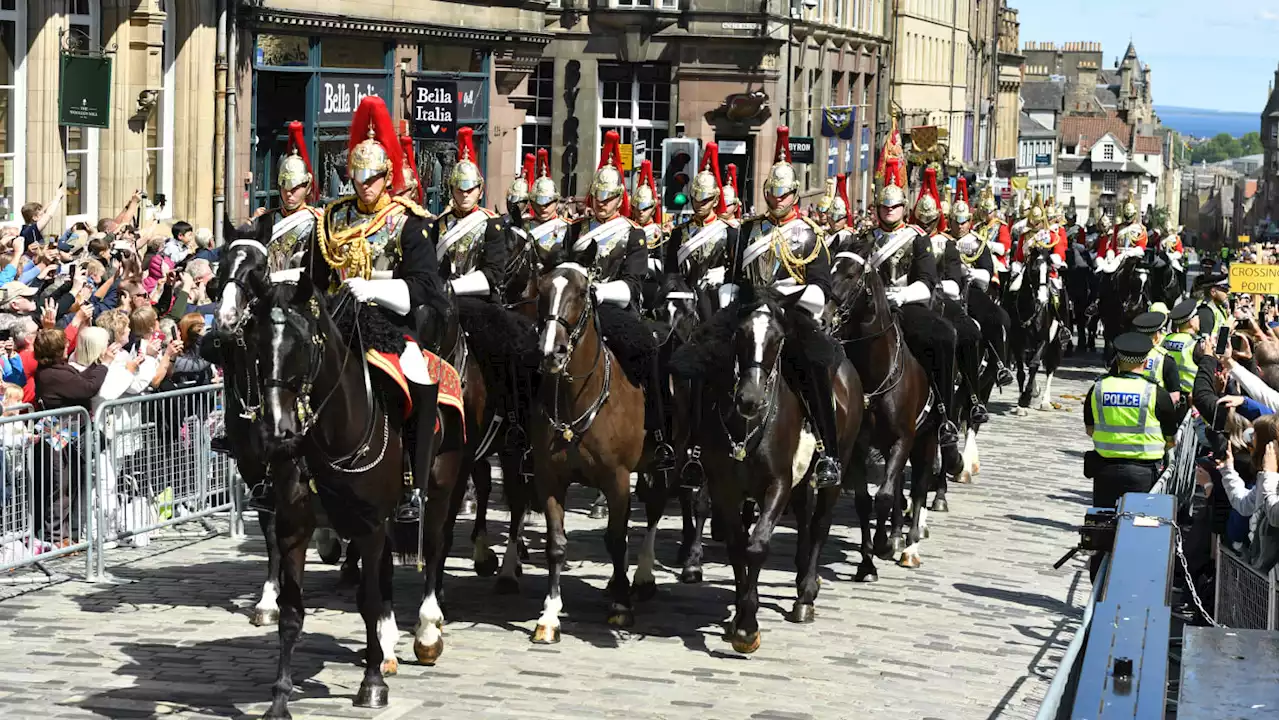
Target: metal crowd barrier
(1243,596)
(72,483)
(154,466)
(1179,475)
(45,488)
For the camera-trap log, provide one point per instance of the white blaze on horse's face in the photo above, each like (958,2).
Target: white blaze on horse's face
(759,333)
(229,306)
(558,285)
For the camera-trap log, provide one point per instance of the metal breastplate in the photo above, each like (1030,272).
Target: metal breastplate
(970,248)
(610,249)
(463,253)
(288,244)
(384,243)
(1128,236)
(896,268)
(706,255)
(938,244)
(768,267)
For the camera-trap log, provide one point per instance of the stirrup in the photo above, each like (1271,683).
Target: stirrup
(948,434)
(410,508)
(664,456)
(826,473)
(692,474)
(1004,376)
(260,498)
(978,414)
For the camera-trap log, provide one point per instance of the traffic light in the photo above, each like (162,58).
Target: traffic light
(681,158)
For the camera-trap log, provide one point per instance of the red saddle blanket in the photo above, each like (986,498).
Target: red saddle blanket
(446,376)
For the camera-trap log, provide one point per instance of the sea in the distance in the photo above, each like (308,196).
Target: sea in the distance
(1197,122)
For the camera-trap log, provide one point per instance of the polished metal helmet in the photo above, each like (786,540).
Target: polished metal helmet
(466,173)
(543,191)
(782,180)
(607,183)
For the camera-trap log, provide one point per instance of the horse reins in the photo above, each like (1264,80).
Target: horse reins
(577,428)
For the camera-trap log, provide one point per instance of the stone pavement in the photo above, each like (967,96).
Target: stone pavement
(976,632)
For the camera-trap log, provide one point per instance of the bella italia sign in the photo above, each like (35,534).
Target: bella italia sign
(84,94)
(341,93)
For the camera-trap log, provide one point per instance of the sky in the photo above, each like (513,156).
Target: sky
(1217,55)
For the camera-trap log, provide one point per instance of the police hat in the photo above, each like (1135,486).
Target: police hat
(1132,347)
(1159,307)
(1182,311)
(1149,322)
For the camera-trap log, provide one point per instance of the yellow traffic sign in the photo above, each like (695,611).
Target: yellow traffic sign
(1257,279)
(1242,239)
(625,150)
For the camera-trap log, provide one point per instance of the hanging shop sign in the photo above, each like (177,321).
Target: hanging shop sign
(341,93)
(435,109)
(801,150)
(84,92)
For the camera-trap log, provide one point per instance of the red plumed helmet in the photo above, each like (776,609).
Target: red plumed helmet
(962,189)
(928,205)
(411,167)
(542,167)
(608,182)
(295,166)
(842,192)
(646,192)
(709,181)
(372,148)
(730,192)
(530,168)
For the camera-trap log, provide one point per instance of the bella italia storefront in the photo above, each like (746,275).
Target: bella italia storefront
(320,81)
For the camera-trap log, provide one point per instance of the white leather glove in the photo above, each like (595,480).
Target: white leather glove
(473,283)
(1057,261)
(915,292)
(615,292)
(951,288)
(997,248)
(714,276)
(655,265)
(285,276)
(727,293)
(391,294)
(814,300)
(980,277)
(1043,294)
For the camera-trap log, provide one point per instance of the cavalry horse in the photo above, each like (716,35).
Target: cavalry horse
(350,441)
(242,277)
(1129,294)
(1035,339)
(900,423)
(584,431)
(753,449)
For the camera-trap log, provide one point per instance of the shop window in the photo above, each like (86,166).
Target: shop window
(80,144)
(12,111)
(635,100)
(283,50)
(451,58)
(346,52)
(642,4)
(535,133)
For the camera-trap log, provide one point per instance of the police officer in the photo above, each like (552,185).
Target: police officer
(1181,343)
(1158,367)
(1131,422)
(1216,286)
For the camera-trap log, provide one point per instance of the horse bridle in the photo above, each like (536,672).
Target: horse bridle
(738,449)
(845,310)
(236,331)
(577,428)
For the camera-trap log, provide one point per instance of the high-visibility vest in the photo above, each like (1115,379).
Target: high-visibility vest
(1152,368)
(1180,345)
(1220,319)
(1124,419)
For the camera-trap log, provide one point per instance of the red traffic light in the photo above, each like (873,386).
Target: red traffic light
(681,178)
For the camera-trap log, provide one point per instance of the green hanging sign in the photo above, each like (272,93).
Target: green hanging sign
(84,94)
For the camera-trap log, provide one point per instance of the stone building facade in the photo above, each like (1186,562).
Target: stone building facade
(161,125)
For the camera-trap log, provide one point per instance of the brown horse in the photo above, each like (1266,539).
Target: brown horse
(585,431)
(899,399)
(753,450)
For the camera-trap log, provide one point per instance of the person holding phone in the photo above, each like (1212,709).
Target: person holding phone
(1132,422)
(1181,343)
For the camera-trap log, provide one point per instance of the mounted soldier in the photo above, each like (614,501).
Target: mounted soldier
(979,267)
(647,214)
(732,201)
(1129,239)
(518,193)
(903,255)
(993,234)
(1043,235)
(612,250)
(699,248)
(779,252)
(375,244)
(294,222)
(839,236)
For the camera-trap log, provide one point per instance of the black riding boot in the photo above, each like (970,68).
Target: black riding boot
(655,416)
(423,450)
(692,475)
(822,412)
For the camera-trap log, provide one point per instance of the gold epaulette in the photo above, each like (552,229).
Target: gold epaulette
(414,207)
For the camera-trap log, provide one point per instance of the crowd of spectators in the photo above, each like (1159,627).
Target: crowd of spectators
(90,315)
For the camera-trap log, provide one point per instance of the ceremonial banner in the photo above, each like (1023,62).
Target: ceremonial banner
(1257,279)
(924,138)
(838,122)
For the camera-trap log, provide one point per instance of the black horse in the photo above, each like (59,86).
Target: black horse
(1128,293)
(322,407)
(1036,340)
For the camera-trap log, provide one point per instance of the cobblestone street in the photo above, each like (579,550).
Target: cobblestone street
(974,633)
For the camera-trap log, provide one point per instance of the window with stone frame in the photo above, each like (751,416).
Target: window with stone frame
(1109,182)
(160,127)
(80,144)
(1066,183)
(12,111)
(1108,152)
(635,100)
(535,133)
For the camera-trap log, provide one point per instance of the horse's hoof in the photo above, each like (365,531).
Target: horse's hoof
(644,592)
(428,654)
(899,545)
(487,566)
(507,585)
(683,555)
(330,552)
(909,560)
(940,505)
(1046,405)
(1019,411)
(866,576)
(371,696)
(273,714)
(546,635)
(262,618)
(965,477)
(800,613)
(691,576)
(599,512)
(976,468)
(744,643)
(621,618)
(885,550)
(390,667)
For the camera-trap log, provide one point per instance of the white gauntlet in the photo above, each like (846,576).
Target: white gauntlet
(472,284)
(615,292)
(391,294)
